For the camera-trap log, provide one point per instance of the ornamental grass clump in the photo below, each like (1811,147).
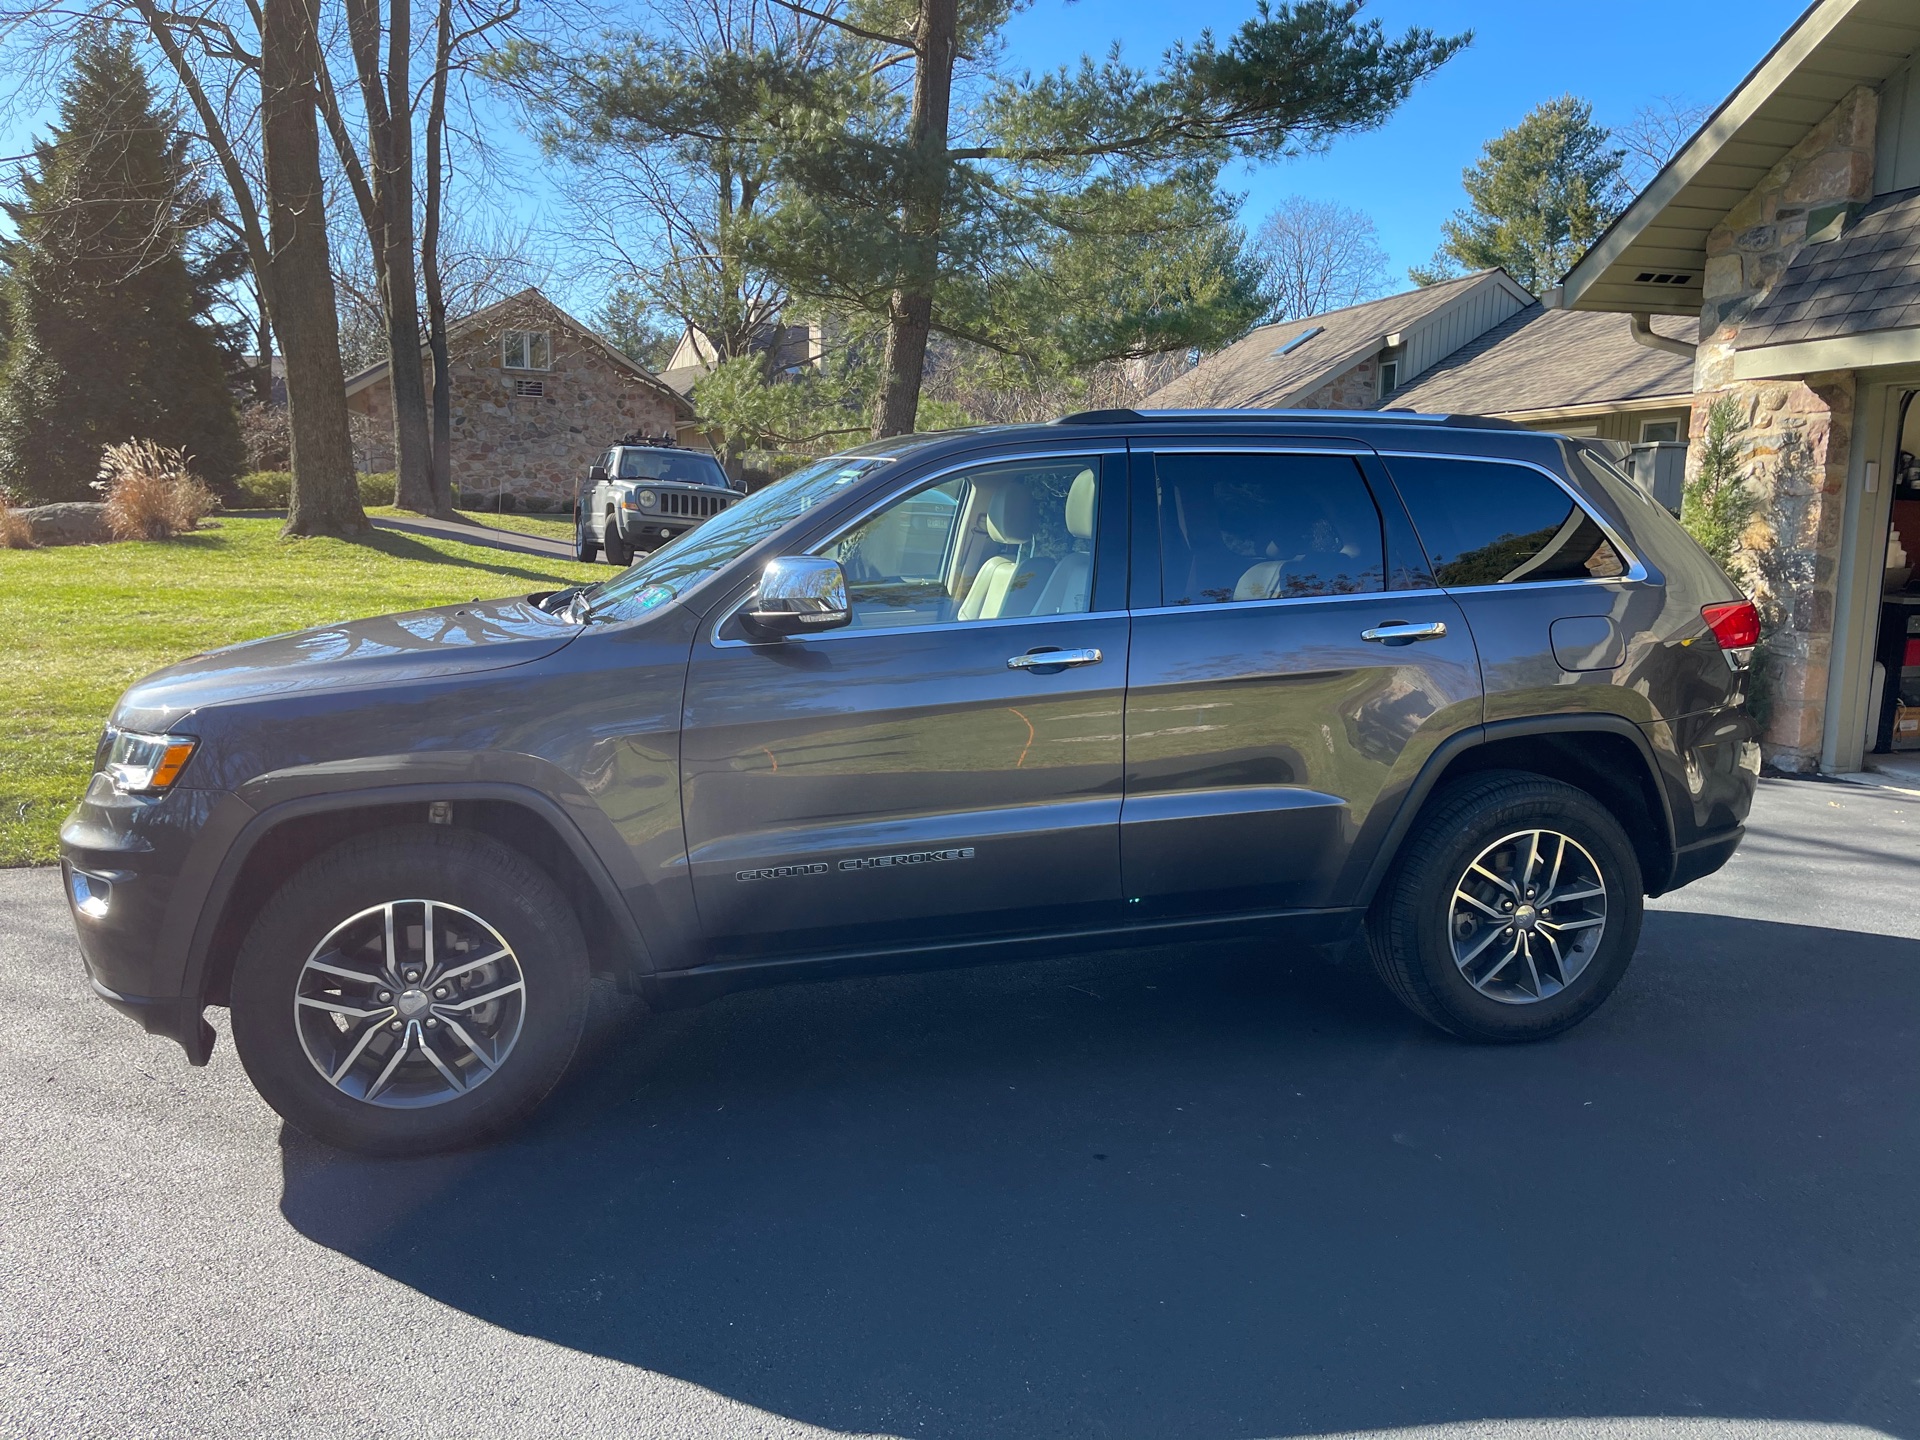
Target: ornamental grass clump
(15,532)
(150,492)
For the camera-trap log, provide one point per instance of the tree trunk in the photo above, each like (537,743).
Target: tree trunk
(388,101)
(910,312)
(430,262)
(326,493)
(263,341)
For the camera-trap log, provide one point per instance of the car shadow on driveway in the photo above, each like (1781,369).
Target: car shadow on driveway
(1207,1192)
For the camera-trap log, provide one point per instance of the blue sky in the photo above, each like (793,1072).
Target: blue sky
(1406,175)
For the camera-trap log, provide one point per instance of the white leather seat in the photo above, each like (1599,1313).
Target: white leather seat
(1261,582)
(1067,590)
(1007,585)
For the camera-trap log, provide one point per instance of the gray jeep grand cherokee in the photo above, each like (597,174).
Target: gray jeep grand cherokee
(977,695)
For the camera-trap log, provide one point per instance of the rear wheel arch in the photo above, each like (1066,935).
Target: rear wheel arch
(1606,756)
(282,840)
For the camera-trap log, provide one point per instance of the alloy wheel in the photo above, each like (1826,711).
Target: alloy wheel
(410,1004)
(1527,916)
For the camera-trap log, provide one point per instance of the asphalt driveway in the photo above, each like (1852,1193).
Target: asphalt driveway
(1209,1193)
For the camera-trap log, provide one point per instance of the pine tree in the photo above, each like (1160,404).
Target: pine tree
(108,338)
(1062,219)
(1539,195)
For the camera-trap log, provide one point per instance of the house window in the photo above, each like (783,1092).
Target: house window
(1652,430)
(530,389)
(1389,377)
(525,350)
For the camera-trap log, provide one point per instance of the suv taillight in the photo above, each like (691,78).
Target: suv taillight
(1736,624)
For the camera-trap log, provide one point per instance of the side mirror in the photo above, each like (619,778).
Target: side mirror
(798,594)
(596,473)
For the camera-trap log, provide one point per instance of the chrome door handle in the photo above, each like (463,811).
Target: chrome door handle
(1047,659)
(1399,632)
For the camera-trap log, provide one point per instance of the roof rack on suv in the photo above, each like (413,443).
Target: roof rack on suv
(1401,417)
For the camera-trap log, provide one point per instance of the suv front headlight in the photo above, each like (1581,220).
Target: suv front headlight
(147,764)
(648,499)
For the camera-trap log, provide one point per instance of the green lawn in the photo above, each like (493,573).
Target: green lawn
(80,623)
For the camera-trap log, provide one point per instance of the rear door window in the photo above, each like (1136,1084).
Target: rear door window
(1487,523)
(1247,527)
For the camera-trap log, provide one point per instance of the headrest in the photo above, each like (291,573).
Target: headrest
(1080,506)
(1010,514)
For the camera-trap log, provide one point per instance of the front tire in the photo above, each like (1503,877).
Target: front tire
(619,552)
(585,548)
(1513,910)
(415,990)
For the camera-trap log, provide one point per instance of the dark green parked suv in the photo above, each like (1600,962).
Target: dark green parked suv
(970,696)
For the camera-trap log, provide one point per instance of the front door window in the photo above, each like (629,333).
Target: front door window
(1000,542)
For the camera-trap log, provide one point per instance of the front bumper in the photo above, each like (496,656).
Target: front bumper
(181,1020)
(645,534)
(148,864)
(1703,857)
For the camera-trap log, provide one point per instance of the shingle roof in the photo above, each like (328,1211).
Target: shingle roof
(1250,374)
(1542,359)
(1868,279)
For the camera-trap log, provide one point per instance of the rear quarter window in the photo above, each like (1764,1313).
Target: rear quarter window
(1487,523)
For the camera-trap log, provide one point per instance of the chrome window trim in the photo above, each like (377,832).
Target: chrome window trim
(945,628)
(1386,597)
(927,482)
(1275,603)
(1636,570)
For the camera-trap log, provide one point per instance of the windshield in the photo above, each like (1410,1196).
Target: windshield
(680,564)
(679,466)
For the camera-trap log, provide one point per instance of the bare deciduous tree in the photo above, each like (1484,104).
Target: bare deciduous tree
(375,144)
(657,206)
(1316,256)
(1655,134)
(302,303)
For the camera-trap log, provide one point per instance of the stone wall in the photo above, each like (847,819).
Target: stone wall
(1794,435)
(1354,389)
(534,448)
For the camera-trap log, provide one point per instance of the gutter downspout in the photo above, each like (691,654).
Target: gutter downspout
(1640,326)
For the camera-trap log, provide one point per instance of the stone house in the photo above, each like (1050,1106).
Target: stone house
(536,397)
(1787,234)
(1479,344)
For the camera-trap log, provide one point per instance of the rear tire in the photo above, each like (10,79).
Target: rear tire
(619,552)
(1512,911)
(414,990)
(585,548)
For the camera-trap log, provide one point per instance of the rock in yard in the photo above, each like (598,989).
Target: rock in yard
(74,522)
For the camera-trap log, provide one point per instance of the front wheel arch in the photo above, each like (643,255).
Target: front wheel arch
(279,841)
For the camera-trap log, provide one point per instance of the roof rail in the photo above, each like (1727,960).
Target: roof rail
(1101,417)
(1280,414)
(1377,417)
